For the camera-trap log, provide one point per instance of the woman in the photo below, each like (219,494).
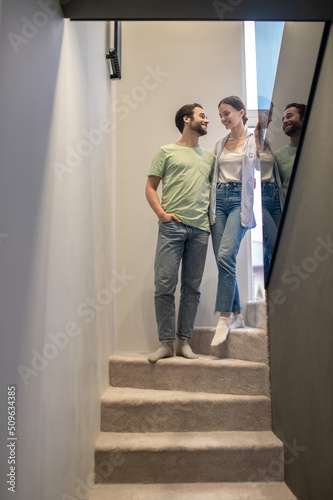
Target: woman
(231,209)
(272,198)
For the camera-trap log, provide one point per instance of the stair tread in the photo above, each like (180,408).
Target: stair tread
(249,344)
(187,440)
(203,359)
(207,373)
(194,491)
(132,395)
(247,330)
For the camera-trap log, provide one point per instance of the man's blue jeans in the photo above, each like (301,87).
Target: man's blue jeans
(271,216)
(178,242)
(227,235)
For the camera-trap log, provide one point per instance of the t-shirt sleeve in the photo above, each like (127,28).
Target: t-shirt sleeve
(158,164)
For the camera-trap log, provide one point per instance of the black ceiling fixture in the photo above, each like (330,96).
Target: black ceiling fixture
(114,54)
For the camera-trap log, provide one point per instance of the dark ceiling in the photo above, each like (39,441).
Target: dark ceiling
(205,10)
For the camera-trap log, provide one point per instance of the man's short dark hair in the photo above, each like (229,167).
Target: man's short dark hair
(186,110)
(300,107)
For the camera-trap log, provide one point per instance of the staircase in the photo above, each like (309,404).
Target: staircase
(191,429)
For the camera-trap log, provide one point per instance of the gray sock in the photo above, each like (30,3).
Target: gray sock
(184,349)
(164,351)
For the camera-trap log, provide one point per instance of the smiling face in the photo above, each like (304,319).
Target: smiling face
(291,121)
(199,121)
(230,117)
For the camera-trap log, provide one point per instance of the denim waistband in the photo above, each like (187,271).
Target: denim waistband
(269,183)
(232,184)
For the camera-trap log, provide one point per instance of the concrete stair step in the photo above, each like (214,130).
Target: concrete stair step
(142,410)
(177,457)
(193,491)
(249,344)
(206,374)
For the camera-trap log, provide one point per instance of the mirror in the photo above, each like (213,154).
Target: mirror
(286,56)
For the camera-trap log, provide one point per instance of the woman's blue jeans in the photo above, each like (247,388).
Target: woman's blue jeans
(271,216)
(178,243)
(227,235)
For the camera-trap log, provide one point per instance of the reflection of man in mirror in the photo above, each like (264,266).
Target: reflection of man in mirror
(185,169)
(292,122)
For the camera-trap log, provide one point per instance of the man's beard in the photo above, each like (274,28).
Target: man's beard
(199,128)
(293,129)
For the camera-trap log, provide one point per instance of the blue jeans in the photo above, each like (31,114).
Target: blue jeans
(227,235)
(271,216)
(178,242)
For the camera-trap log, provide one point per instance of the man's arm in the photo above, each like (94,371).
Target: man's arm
(153,199)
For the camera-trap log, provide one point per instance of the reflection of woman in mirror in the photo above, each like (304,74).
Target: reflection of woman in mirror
(271,190)
(231,209)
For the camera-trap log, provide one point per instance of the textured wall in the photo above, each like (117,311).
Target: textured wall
(56,247)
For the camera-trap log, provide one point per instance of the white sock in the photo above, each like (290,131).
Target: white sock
(221,331)
(237,321)
(164,351)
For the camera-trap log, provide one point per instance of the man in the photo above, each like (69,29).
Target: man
(292,122)
(185,169)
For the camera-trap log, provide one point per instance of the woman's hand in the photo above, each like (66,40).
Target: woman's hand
(258,137)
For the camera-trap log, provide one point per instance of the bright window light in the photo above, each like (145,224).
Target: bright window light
(250,65)
(257,264)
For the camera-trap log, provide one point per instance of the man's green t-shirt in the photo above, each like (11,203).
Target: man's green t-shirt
(285,158)
(186,173)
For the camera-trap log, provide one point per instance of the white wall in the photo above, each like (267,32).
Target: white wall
(195,61)
(56,244)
